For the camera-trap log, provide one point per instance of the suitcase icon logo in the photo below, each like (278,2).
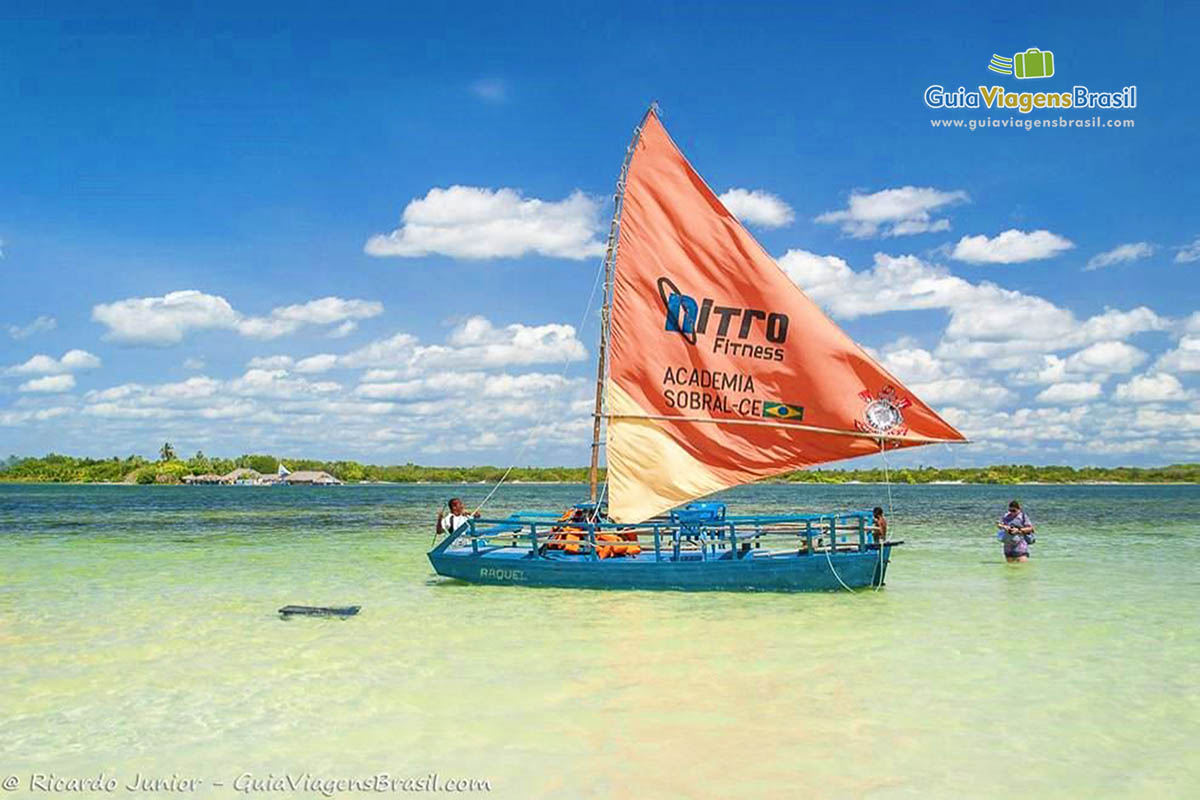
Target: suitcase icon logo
(1033,63)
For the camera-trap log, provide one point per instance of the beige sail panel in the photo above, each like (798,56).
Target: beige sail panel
(648,472)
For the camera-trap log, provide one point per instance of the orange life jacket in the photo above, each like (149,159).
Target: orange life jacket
(609,550)
(563,536)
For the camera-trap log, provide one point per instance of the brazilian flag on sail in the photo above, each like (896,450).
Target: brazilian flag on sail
(783,411)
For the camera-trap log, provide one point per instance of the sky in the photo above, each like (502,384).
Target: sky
(370,230)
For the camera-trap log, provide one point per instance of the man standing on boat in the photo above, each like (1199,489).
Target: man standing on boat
(1016,531)
(879,528)
(449,523)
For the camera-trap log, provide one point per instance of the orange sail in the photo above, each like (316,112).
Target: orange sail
(721,370)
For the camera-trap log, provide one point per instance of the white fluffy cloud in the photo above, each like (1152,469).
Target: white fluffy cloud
(943,383)
(894,283)
(472,393)
(1105,358)
(1184,358)
(906,283)
(1006,431)
(255,397)
(49,384)
(1175,424)
(1120,254)
(478,384)
(1116,324)
(479,341)
(1101,359)
(893,212)
(163,321)
(326,311)
(1010,247)
(999,328)
(1070,393)
(318,363)
(1161,387)
(1012,368)
(28,415)
(71,361)
(756,207)
(1051,369)
(40,325)
(1188,253)
(474,343)
(271,362)
(345,329)
(470,222)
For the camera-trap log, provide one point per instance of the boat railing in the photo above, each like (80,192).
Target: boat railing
(546,535)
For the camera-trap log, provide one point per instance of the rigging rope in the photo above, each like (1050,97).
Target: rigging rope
(832,542)
(887,480)
(600,499)
(545,406)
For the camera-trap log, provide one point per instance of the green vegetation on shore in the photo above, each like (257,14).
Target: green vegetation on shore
(55,468)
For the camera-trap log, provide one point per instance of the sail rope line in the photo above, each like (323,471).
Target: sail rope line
(606,330)
(610,258)
(828,560)
(600,499)
(546,406)
(887,480)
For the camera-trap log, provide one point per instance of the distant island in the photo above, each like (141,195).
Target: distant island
(171,469)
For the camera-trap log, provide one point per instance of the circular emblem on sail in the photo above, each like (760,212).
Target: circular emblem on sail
(882,415)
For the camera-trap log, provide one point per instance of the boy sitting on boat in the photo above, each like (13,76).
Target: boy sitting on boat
(449,523)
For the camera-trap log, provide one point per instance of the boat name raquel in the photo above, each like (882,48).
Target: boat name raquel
(499,574)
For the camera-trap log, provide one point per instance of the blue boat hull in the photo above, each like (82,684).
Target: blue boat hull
(791,573)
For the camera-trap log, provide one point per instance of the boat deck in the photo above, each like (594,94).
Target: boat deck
(685,551)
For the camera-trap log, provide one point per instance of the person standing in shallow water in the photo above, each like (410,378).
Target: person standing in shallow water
(1016,531)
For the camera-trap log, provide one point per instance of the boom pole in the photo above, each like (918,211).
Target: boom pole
(610,259)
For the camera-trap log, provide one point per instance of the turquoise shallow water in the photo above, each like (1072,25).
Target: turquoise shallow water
(138,634)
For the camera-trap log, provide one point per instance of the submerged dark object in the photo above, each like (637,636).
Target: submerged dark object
(318,611)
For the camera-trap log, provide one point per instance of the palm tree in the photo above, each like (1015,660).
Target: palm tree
(167,453)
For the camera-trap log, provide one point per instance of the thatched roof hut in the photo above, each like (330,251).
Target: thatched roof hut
(312,478)
(243,475)
(207,478)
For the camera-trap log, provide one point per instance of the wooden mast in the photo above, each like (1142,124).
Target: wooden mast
(610,259)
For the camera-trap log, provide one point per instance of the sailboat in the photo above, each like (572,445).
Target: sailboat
(714,370)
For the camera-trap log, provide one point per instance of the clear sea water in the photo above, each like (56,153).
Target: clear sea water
(138,634)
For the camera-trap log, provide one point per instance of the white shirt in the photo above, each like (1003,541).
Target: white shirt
(452,522)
